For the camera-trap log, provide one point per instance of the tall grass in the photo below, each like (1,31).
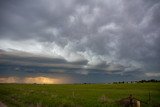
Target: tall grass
(76,95)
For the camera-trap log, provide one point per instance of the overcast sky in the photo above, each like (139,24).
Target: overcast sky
(74,41)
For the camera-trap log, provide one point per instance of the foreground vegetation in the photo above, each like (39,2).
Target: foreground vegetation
(77,95)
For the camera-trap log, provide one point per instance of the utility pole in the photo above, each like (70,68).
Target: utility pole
(149,100)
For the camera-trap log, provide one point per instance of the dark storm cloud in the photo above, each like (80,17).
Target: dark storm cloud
(110,36)
(20,56)
(23,63)
(28,59)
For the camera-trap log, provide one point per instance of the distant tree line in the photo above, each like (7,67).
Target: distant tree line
(141,81)
(151,80)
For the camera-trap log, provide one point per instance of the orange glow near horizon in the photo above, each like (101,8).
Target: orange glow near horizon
(38,80)
(8,80)
(41,80)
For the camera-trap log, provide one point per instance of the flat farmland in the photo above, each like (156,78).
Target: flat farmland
(78,95)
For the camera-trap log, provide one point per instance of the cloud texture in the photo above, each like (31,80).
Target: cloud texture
(77,38)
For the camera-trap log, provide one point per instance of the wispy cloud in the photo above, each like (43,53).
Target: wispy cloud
(153,74)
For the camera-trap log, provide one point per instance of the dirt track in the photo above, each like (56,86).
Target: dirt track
(2,104)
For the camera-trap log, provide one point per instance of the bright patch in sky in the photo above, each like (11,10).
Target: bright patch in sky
(38,80)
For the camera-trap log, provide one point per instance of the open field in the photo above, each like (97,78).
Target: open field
(77,95)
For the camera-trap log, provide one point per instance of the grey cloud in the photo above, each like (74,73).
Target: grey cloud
(19,56)
(29,63)
(119,36)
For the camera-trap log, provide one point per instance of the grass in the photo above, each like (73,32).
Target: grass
(76,95)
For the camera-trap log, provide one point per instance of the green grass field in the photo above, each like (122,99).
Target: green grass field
(76,95)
